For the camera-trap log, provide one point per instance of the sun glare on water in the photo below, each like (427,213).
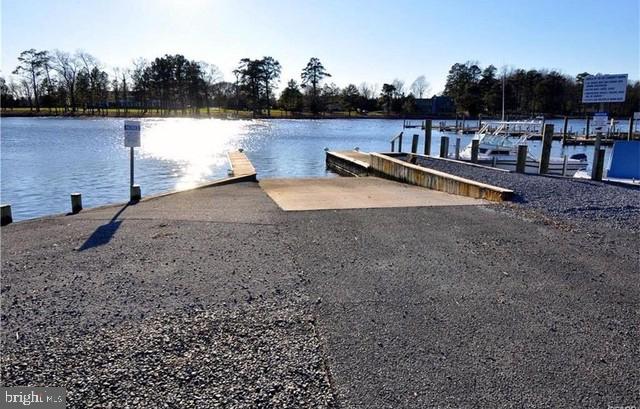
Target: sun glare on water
(197,146)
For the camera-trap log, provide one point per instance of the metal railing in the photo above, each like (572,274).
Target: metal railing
(393,143)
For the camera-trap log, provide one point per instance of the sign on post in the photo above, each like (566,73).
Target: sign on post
(132,140)
(604,88)
(600,120)
(132,134)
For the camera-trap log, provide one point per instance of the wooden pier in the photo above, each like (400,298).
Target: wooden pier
(240,165)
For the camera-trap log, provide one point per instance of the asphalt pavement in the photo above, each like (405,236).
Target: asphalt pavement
(217,298)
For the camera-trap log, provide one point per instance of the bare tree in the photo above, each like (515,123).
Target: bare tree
(140,77)
(420,86)
(366,91)
(375,88)
(14,89)
(50,84)
(124,89)
(115,88)
(67,67)
(211,75)
(399,88)
(91,66)
(26,91)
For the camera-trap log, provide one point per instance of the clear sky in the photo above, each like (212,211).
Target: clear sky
(373,41)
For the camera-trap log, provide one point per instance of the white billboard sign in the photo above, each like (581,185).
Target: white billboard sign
(132,134)
(600,122)
(604,88)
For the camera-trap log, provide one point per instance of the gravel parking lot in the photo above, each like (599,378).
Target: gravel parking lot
(216,298)
(564,199)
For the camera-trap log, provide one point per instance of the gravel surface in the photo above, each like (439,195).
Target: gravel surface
(563,199)
(216,297)
(201,359)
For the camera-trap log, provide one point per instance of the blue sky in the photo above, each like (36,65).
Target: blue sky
(374,41)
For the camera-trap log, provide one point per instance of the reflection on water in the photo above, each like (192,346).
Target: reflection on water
(197,147)
(46,159)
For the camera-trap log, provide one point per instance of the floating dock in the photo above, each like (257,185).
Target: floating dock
(241,166)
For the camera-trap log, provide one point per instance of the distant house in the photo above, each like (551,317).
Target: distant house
(437,105)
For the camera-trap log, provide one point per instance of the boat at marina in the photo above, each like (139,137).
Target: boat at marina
(498,147)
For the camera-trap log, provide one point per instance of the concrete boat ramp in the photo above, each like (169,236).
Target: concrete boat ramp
(367,190)
(216,297)
(355,193)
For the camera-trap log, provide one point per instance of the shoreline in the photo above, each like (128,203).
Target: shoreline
(243,115)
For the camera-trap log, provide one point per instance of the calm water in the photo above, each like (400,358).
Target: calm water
(45,159)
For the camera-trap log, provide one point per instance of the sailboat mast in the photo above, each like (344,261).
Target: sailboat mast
(503,78)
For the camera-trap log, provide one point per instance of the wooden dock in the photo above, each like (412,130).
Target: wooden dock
(581,141)
(240,165)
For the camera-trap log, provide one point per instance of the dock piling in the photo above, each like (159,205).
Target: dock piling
(547,139)
(521,164)
(393,145)
(444,146)
(630,132)
(136,194)
(564,130)
(475,147)
(414,143)
(596,165)
(400,142)
(599,165)
(564,166)
(5,215)
(457,148)
(586,132)
(427,137)
(76,203)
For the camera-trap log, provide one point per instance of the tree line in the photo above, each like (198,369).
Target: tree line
(526,92)
(63,82)
(69,83)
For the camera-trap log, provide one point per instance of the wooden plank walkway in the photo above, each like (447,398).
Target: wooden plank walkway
(240,164)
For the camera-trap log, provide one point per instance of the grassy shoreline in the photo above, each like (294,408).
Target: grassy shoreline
(218,113)
(213,113)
